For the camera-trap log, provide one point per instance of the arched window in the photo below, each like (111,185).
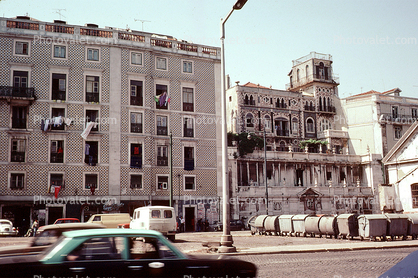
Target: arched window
(307,72)
(252,102)
(297,75)
(325,125)
(267,123)
(246,102)
(310,125)
(249,120)
(295,125)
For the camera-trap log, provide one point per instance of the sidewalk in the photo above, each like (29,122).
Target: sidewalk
(246,244)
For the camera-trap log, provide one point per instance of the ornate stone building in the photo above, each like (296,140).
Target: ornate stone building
(320,177)
(89,116)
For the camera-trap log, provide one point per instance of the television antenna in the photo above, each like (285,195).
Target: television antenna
(58,11)
(142,21)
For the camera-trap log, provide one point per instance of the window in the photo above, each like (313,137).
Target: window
(22,48)
(136,181)
(162,98)
(136,122)
(162,182)
(188,99)
(188,158)
(162,155)
(18,150)
(136,93)
(394,112)
(92,88)
(398,132)
(92,54)
(55,180)
(136,156)
(295,125)
(187,67)
(414,195)
(136,58)
(60,51)
(162,125)
(188,127)
(57,115)
(189,183)
(92,116)
(414,113)
(249,120)
(161,63)
(57,151)
(90,181)
(91,153)
(19,117)
(58,86)
(17,181)
(20,79)
(267,123)
(310,126)
(325,125)
(100,248)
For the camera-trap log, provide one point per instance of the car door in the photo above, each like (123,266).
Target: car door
(96,257)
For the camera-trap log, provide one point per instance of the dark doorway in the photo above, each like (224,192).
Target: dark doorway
(189,218)
(54,213)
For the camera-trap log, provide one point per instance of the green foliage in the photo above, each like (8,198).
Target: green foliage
(312,142)
(247,144)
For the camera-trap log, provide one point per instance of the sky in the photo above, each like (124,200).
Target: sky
(373,43)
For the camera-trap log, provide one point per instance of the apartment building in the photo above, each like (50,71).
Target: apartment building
(381,119)
(306,166)
(91,116)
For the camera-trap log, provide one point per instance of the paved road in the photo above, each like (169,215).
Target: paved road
(346,264)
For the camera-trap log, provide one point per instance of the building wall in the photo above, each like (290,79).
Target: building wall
(114,135)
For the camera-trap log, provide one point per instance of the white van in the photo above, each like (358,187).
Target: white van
(158,218)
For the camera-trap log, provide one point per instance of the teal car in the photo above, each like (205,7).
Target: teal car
(121,253)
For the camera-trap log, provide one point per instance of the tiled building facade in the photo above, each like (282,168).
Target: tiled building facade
(88,116)
(321,177)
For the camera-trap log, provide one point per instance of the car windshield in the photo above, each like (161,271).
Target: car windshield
(47,237)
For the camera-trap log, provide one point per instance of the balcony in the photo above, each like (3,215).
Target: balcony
(136,162)
(58,95)
(92,97)
(188,164)
(312,78)
(18,157)
(188,132)
(282,133)
(327,109)
(136,128)
(161,130)
(162,161)
(397,119)
(7,92)
(57,158)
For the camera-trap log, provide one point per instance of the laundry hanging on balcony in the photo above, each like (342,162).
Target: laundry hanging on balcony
(55,122)
(87,130)
(163,99)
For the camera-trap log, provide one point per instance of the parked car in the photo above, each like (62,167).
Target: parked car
(6,228)
(45,236)
(110,220)
(235,225)
(66,220)
(121,253)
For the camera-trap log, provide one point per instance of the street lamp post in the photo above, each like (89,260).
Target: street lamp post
(265,173)
(226,239)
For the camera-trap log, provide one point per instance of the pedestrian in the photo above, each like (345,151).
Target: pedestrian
(199,225)
(183,222)
(35,226)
